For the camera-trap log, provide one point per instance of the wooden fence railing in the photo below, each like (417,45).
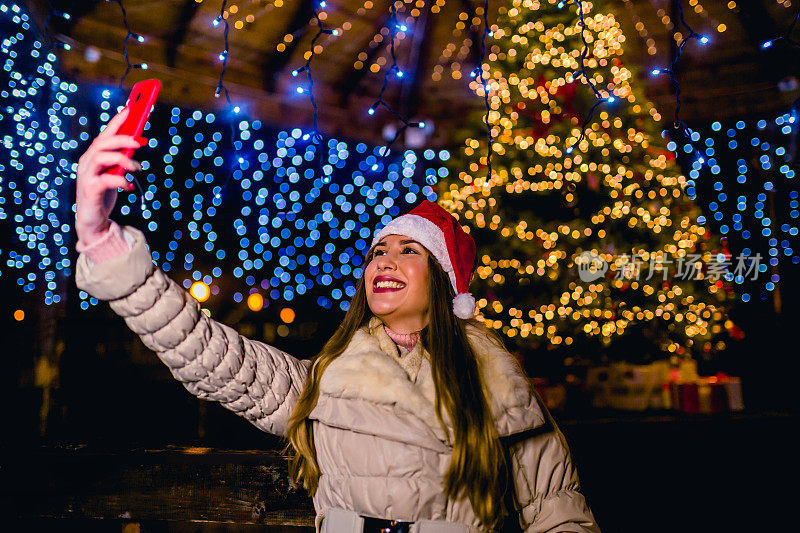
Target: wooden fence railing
(182,485)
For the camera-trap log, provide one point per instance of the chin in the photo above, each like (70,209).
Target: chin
(382,310)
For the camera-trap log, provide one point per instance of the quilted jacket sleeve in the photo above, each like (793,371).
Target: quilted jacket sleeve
(546,482)
(211,360)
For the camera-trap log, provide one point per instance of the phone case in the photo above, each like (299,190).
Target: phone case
(140,102)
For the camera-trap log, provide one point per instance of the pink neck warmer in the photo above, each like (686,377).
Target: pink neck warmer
(406,340)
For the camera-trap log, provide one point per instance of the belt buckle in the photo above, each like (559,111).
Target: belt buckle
(381,525)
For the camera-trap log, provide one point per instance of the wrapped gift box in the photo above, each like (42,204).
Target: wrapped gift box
(659,386)
(630,387)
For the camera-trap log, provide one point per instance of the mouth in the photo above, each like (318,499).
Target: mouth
(382,284)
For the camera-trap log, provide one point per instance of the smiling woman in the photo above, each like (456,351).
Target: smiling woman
(397,283)
(413,417)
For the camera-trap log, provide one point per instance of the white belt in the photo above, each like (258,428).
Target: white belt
(338,520)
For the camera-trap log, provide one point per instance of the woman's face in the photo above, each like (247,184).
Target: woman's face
(397,283)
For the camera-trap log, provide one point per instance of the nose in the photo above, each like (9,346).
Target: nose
(385,261)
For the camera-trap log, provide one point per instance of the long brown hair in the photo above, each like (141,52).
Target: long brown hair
(478,468)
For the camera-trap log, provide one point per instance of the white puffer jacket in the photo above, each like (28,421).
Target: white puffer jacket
(380,447)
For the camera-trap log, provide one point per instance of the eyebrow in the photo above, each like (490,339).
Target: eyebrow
(404,241)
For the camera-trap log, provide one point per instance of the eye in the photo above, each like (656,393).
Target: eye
(406,249)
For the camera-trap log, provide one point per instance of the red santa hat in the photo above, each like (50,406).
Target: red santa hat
(441,234)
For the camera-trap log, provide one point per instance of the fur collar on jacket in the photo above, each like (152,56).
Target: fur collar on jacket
(368,369)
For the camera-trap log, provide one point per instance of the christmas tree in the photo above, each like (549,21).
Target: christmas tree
(588,244)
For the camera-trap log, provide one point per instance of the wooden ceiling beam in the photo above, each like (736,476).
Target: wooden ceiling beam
(109,37)
(781,59)
(411,98)
(192,90)
(188,11)
(349,81)
(276,61)
(40,10)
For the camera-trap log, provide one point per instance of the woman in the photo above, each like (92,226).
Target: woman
(413,417)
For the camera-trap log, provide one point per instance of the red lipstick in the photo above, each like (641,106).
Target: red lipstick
(386,289)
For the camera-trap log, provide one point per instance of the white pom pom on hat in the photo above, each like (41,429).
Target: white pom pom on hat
(441,234)
(464,305)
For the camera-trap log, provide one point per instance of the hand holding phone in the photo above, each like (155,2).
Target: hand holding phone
(100,169)
(140,104)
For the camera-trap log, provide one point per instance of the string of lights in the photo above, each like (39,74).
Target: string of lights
(375,43)
(393,26)
(339,31)
(250,18)
(665,19)
(706,15)
(383,58)
(786,37)
(129,34)
(699,9)
(640,27)
(446,55)
(316,137)
(223,56)
(759,154)
(582,72)
(37,155)
(478,72)
(128,65)
(51,12)
(288,234)
(677,123)
(309,89)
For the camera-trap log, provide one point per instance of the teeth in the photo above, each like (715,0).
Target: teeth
(389,284)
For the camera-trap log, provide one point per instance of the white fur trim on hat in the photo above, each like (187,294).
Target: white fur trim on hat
(464,305)
(427,234)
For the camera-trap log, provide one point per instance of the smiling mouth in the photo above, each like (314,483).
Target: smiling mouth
(387,286)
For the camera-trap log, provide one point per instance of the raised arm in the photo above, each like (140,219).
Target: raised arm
(254,380)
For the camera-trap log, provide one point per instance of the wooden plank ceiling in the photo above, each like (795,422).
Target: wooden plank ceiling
(728,77)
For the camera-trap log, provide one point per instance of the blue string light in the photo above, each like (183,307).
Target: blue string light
(36,160)
(393,26)
(57,43)
(786,37)
(128,35)
(288,234)
(128,66)
(763,170)
(677,123)
(223,56)
(309,89)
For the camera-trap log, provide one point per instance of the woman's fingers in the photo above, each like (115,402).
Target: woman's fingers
(110,143)
(96,193)
(114,123)
(103,160)
(115,142)
(112,181)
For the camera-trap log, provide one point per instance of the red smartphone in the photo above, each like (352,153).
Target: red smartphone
(140,104)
